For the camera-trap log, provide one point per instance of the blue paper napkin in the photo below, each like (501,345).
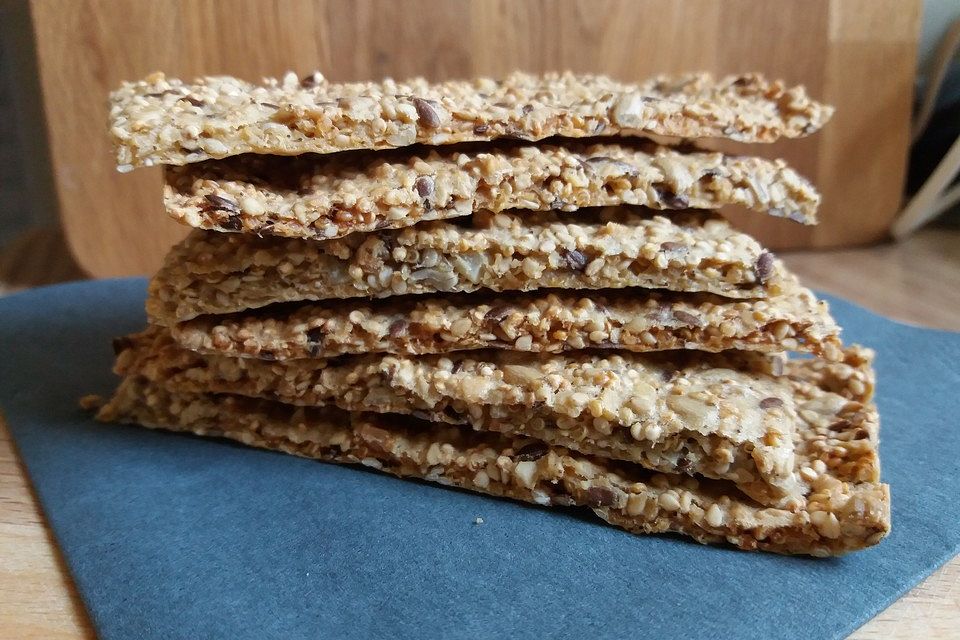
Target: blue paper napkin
(171,536)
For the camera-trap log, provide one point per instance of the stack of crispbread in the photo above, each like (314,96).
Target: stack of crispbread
(514,287)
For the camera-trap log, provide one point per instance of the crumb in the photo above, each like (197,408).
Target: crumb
(478,520)
(91,402)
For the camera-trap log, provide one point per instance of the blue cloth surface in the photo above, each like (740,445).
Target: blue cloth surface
(172,536)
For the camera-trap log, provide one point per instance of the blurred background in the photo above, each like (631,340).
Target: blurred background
(65,213)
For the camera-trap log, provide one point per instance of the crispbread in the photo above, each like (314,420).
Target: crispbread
(722,416)
(838,517)
(166,121)
(615,247)
(330,196)
(538,321)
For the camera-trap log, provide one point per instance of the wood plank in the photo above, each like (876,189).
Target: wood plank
(745,31)
(37,597)
(115,225)
(916,281)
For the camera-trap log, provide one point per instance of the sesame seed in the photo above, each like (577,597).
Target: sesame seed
(714,516)
(669,501)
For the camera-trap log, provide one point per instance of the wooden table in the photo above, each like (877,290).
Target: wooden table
(917,281)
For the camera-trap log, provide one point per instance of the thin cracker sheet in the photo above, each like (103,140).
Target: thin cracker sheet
(321,197)
(727,416)
(838,517)
(540,321)
(614,247)
(167,121)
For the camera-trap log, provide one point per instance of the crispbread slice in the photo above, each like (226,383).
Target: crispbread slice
(167,121)
(314,196)
(538,321)
(615,247)
(721,416)
(838,517)
(853,378)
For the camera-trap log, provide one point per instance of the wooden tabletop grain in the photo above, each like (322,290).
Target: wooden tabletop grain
(917,281)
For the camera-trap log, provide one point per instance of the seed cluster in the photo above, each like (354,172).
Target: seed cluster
(167,121)
(614,247)
(721,416)
(838,517)
(326,197)
(538,321)
(568,322)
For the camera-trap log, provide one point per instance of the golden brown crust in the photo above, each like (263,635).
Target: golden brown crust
(839,516)
(616,247)
(167,121)
(325,197)
(637,320)
(722,416)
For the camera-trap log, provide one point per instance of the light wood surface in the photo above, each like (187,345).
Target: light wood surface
(917,281)
(37,598)
(856,54)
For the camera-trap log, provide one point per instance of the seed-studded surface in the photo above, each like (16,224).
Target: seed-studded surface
(330,196)
(838,516)
(615,247)
(166,121)
(722,416)
(854,380)
(538,321)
